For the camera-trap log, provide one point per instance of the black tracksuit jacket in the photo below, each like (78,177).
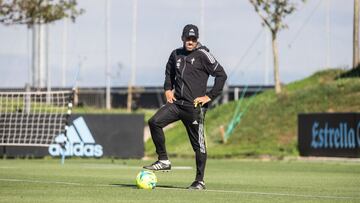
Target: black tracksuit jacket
(188,73)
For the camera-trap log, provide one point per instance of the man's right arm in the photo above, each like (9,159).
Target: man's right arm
(170,73)
(170,78)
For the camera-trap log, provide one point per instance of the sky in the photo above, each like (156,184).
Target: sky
(232,31)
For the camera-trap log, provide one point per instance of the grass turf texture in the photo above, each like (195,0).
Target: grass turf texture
(269,127)
(229,180)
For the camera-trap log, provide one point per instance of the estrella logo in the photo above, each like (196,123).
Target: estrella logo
(79,142)
(338,137)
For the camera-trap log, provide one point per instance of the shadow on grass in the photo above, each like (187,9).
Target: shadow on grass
(133,186)
(355,72)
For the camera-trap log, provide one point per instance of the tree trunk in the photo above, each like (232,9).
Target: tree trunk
(356,35)
(276,64)
(129,98)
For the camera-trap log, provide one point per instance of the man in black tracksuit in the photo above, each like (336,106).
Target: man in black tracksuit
(186,76)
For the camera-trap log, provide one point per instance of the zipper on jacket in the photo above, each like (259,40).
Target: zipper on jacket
(182,78)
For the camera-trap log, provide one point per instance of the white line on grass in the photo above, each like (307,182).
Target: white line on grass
(6,167)
(274,194)
(181,167)
(41,181)
(180,189)
(99,166)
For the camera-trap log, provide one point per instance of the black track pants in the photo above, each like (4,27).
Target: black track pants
(192,119)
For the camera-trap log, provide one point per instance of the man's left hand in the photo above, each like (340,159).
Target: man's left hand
(201,100)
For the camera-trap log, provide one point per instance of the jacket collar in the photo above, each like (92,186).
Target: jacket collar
(198,46)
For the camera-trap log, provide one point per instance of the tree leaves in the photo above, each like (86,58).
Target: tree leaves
(272,12)
(31,12)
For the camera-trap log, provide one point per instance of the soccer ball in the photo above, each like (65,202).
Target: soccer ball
(146,180)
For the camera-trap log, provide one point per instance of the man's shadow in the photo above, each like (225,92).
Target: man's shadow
(133,186)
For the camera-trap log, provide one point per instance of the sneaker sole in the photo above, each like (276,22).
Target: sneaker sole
(165,170)
(191,188)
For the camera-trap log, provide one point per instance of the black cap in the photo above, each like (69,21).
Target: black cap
(190,31)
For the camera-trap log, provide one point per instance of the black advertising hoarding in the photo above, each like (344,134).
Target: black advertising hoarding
(92,135)
(329,134)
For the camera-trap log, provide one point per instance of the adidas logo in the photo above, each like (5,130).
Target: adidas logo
(195,122)
(192,32)
(79,142)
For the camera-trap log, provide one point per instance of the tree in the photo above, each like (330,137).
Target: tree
(272,14)
(31,12)
(35,14)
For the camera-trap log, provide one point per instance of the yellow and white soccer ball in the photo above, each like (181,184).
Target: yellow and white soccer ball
(146,180)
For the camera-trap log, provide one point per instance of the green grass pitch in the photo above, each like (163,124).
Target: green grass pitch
(227,180)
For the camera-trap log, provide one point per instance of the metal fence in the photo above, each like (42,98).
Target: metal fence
(144,97)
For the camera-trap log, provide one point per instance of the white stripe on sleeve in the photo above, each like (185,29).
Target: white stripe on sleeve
(209,56)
